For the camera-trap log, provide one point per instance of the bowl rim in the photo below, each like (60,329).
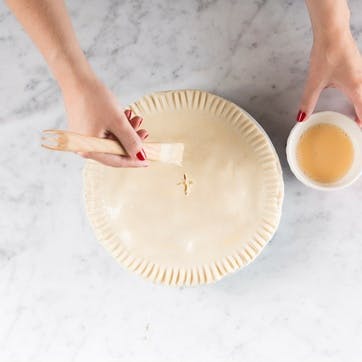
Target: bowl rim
(319,118)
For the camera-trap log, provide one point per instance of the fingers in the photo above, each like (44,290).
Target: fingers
(358,109)
(311,93)
(359,122)
(125,132)
(128,137)
(113,160)
(355,94)
(128,113)
(142,133)
(134,121)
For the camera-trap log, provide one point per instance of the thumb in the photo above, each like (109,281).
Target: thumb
(311,93)
(358,109)
(129,138)
(356,97)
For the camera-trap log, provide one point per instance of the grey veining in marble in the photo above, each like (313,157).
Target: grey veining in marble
(63,298)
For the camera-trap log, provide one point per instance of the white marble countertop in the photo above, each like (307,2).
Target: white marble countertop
(63,298)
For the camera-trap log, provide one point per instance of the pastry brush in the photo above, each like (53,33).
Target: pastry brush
(68,141)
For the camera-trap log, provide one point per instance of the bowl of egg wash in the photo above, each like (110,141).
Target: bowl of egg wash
(325,151)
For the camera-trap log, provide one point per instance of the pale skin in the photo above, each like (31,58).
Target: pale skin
(93,110)
(335,60)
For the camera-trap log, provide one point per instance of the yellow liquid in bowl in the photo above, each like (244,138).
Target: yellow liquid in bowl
(325,153)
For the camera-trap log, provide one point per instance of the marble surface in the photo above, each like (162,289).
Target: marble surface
(63,298)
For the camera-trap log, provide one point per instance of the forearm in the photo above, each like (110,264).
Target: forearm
(335,60)
(330,19)
(48,24)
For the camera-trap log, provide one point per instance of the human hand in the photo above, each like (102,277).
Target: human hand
(336,63)
(93,110)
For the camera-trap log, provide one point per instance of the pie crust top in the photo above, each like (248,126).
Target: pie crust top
(195,223)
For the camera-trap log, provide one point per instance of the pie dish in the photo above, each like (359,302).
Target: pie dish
(196,223)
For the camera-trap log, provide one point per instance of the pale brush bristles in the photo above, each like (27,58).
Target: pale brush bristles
(53,140)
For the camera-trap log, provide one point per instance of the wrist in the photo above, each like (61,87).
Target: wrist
(332,34)
(330,21)
(72,72)
(334,40)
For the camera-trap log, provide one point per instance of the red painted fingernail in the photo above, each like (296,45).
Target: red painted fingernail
(141,155)
(301,116)
(141,120)
(145,136)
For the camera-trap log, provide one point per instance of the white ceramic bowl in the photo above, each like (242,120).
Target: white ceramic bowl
(353,131)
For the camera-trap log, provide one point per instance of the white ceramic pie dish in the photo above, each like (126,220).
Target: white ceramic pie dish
(145,220)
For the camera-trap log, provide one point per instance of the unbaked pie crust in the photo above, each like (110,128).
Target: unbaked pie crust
(196,223)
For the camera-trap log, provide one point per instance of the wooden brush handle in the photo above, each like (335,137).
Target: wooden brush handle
(74,142)
(79,143)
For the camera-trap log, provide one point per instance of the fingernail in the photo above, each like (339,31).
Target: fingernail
(146,136)
(128,113)
(141,155)
(141,120)
(301,116)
